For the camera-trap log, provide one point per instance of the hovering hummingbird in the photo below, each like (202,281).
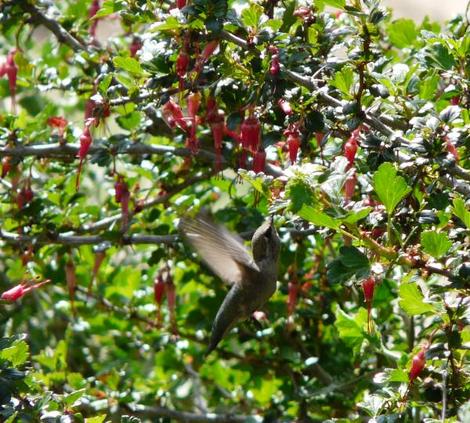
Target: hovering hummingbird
(253,277)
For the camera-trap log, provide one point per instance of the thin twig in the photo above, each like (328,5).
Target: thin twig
(152,412)
(62,35)
(77,240)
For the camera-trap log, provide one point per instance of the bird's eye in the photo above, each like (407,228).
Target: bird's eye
(267,234)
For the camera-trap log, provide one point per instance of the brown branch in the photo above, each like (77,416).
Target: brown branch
(77,240)
(61,34)
(152,412)
(70,151)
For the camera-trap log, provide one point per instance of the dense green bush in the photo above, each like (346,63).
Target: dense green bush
(363,161)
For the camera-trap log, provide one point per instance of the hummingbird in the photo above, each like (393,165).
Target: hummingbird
(253,276)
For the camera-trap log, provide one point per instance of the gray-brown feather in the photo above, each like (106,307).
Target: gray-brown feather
(254,277)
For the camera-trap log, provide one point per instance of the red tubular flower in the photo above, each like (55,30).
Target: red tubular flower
(180,4)
(60,123)
(135,46)
(158,294)
(85,143)
(99,258)
(451,148)
(209,49)
(293,290)
(303,12)
(251,133)
(28,192)
(119,187)
(174,110)
(275,66)
(182,63)
(6,165)
(285,106)
(90,118)
(351,145)
(272,49)
(293,143)
(455,100)
(368,286)
(232,134)
(350,186)
(57,122)
(211,109)
(319,137)
(217,125)
(417,364)
(10,69)
(94,7)
(27,255)
(20,290)
(194,101)
(192,142)
(158,289)
(259,161)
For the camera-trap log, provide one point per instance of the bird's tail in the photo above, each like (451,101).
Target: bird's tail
(228,315)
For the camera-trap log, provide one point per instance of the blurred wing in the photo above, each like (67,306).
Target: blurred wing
(221,250)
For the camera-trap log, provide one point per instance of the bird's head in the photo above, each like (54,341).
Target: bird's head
(266,243)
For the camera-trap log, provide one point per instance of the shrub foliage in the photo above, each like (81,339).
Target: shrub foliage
(350,127)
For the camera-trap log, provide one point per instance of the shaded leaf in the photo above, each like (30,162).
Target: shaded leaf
(390,187)
(435,243)
(412,300)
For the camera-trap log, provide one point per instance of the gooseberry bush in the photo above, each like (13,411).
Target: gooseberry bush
(350,127)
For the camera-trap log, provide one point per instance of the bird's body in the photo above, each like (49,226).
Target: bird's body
(253,277)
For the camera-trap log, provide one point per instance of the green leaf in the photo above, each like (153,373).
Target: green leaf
(461,211)
(97,419)
(71,398)
(105,83)
(17,354)
(12,418)
(109,7)
(402,33)
(343,80)
(390,187)
(335,3)
(440,56)
(170,24)
(412,300)
(351,328)
(355,216)
(129,121)
(398,375)
(128,64)
(317,217)
(251,16)
(435,243)
(300,193)
(351,262)
(428,87)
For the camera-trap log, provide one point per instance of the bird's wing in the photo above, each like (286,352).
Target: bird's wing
(221,250)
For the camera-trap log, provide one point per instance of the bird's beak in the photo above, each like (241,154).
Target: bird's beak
(271,220)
